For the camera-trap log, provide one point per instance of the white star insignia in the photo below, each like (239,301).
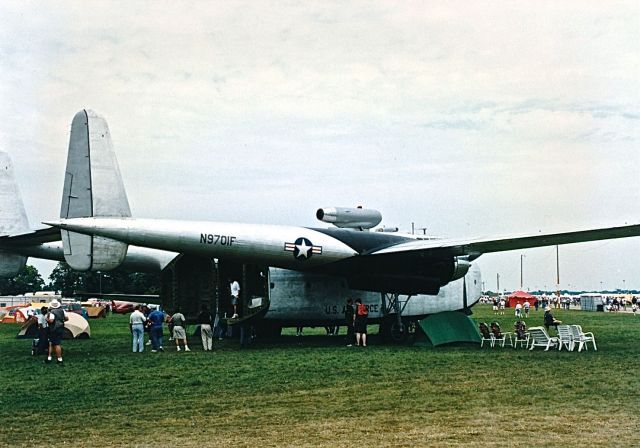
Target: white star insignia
(303,249)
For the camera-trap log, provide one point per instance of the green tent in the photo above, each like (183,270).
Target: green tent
(448,327)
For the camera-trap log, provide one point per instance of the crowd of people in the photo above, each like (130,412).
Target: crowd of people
(144,320)
(152,321)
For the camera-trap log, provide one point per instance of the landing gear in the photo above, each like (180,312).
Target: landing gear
(393,328)
(392,332)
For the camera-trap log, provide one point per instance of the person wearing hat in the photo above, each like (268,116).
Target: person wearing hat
(56,319)
(549,320)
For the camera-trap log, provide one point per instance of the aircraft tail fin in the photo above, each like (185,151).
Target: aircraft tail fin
(13,217)
(93,187)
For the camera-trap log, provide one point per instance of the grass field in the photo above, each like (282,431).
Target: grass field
(313,391)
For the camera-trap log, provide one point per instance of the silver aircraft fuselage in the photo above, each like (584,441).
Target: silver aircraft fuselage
(299,298)
(287,247)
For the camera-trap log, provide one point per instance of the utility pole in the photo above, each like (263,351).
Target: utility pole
(557,271)
(413,230)
(498,283)
(521,276)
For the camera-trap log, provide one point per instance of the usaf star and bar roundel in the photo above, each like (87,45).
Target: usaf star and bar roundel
(303,249)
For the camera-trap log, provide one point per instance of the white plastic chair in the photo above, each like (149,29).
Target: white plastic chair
(489,338)
(582,338)
(565,338)
(500,340)
(521,342)
(540,338)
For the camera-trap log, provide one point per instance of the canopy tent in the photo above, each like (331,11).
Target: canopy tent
(76,327)
(521,297)
(448,327)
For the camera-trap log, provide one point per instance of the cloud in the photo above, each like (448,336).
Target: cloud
(469,118)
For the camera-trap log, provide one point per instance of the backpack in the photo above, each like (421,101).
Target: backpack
(362,310)
(58,321)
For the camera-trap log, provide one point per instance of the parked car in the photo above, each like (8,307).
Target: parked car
(75,307)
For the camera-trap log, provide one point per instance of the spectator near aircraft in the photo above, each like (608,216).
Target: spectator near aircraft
(206,334)
(137,321)
(156,320)
(360,323)
(55,320)
(179,332)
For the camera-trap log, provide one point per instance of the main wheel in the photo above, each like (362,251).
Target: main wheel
(392,331)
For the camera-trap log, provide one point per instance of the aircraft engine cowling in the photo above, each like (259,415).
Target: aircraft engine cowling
(460,267)
(350,218)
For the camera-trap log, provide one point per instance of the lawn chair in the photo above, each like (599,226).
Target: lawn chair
(540,338)
(485,334)
(582,338)
(565,338)
(520,335)
(498,336)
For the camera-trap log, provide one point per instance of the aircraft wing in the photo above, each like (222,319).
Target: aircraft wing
(31,238)
(478,246)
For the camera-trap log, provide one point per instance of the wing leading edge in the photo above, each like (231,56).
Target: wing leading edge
(475,247)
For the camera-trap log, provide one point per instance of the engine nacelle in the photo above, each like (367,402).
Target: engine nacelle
(350,218)
(460,267)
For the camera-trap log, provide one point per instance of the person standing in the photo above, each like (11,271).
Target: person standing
(235,296)
(349,313)
(156,318)
(136,325)
(55,320)
(204,319)
(43,331)
(527,307)
(518,310)
(179,332)
(360,323)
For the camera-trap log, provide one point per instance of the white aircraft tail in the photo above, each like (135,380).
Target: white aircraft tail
(93,187)
(13,218)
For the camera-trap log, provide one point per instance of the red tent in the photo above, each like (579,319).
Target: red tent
(521,297)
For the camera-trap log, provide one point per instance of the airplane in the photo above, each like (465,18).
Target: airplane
(97,230)
(293,298)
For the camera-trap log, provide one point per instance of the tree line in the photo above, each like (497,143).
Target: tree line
(70,282)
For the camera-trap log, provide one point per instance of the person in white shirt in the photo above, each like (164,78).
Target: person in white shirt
(136,324)
(235,297)
(518,310)
(43,331)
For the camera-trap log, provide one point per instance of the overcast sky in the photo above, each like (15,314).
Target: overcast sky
(467,118)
